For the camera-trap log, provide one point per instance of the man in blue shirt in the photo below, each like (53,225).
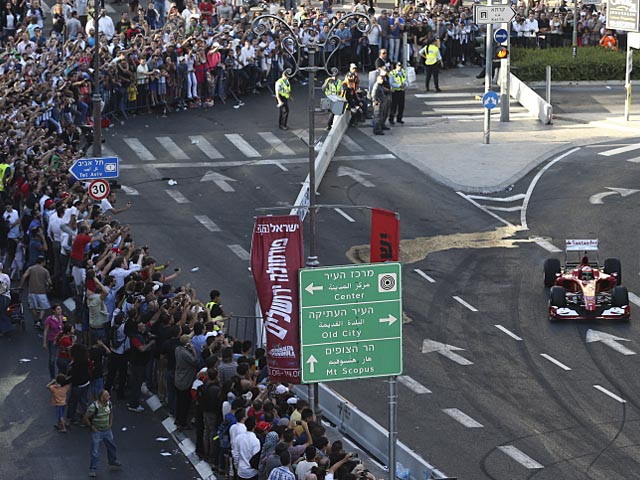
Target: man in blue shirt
(396,26)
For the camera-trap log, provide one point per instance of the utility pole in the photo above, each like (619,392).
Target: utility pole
(96,97)
(488,73)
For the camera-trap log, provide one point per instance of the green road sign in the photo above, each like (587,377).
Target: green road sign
(351,321)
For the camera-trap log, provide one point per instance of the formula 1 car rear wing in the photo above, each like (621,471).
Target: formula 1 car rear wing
(582,247)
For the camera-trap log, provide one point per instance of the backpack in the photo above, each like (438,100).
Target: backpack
(223,433)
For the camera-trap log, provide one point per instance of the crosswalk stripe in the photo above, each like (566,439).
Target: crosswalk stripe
(239,251)
(350,145)
(465,111)
(108,151)
(475,117)
(461,102)
(174,150)
(450,94)
(140,150)
(276,143)
(208,223)
(413,385)
(177,196)
(242,145)
(462,418)
(205,146)
(616,151)
(519,456)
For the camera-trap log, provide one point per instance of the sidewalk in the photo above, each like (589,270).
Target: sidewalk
(456,156)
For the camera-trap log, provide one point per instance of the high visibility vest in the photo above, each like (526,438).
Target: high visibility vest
(334,88)
(283,88)
(431,57)
(397,79)
(5,169)
(209,306)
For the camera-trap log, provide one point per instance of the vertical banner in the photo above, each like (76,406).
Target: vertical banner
(385,236)
(277,253)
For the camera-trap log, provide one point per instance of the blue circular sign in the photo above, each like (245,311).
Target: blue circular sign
(490,100)
(501,35)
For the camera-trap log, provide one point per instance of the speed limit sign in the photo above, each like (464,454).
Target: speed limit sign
(99,189)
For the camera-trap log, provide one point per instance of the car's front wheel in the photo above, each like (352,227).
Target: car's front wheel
(557,299)
(611,266)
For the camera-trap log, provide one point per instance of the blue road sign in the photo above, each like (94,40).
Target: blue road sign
(490,100)
(95,168)
(501,35)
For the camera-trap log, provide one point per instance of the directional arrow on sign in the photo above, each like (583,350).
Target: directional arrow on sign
(597,199)
(220,180)
(357,175)
(311,288)
(312,363)
(390,320)
(609,340)
(445,350)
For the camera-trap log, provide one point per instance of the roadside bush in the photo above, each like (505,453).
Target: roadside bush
(591,63)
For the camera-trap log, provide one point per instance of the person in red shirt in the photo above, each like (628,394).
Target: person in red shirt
(206,10)
(80,243)
(64,341)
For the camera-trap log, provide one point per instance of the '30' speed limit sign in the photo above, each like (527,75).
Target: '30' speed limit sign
(99,189)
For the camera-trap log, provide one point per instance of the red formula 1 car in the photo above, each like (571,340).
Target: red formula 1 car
(583,289)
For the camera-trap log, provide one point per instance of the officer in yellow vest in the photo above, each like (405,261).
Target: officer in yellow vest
(433,62)
(398,83)
(333,86)
(5,178)
(283,95)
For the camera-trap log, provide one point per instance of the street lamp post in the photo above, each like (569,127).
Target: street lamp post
(292,47)
(96,97)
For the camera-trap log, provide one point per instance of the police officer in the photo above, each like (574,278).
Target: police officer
(283,95)
(398,83)
(332,86)
(432,61)
(378,99)
(382,71)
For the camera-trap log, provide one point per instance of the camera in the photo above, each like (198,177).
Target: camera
(354,454)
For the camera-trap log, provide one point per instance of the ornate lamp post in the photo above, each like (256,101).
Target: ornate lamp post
(292,47)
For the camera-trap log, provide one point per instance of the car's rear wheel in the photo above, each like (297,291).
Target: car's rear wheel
(551,270)
(611,266)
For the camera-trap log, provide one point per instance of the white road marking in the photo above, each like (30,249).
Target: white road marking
(504,209)
(356,175)
(413,385)
(555,362)
(610,394)
(129,190)
(609,340)
(532,185)
(470,96)
(269,161)
(597,199)
(469,111)
(345,215)
(616,151)
(462,418)
(445,350)
(177,196)
(486,210)
(508,332)
(139,149)
(519,456)
(240,252)
(152,172)
(547,245)
(515,103)
(474,117)
(634,160)
(281,167)
(635,299)
(205,147)
(174,150)
(276,143)
(424,275)
(350,145)
(242,145)
(462,302)
(208,223)
(106,151)
(512,198)
(220,180)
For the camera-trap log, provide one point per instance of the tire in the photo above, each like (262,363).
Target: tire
(551,269)
(557,297)
(619,297)
(611,266)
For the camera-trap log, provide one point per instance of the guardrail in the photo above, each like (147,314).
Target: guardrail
(370,435)
(530,100)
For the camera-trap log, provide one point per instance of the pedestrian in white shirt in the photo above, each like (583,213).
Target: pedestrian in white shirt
(105,25)
(245,447)
(122,271)
(530,30)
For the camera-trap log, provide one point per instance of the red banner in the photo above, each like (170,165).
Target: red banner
(277,253)
(385,236)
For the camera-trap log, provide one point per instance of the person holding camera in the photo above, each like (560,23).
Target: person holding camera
(186,371)
(141,345)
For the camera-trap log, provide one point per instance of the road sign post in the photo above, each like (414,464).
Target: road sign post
(350,322)
(95,168)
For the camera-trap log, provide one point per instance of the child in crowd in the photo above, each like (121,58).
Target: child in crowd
(59,387)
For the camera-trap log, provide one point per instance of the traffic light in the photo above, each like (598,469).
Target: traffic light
(500,52)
